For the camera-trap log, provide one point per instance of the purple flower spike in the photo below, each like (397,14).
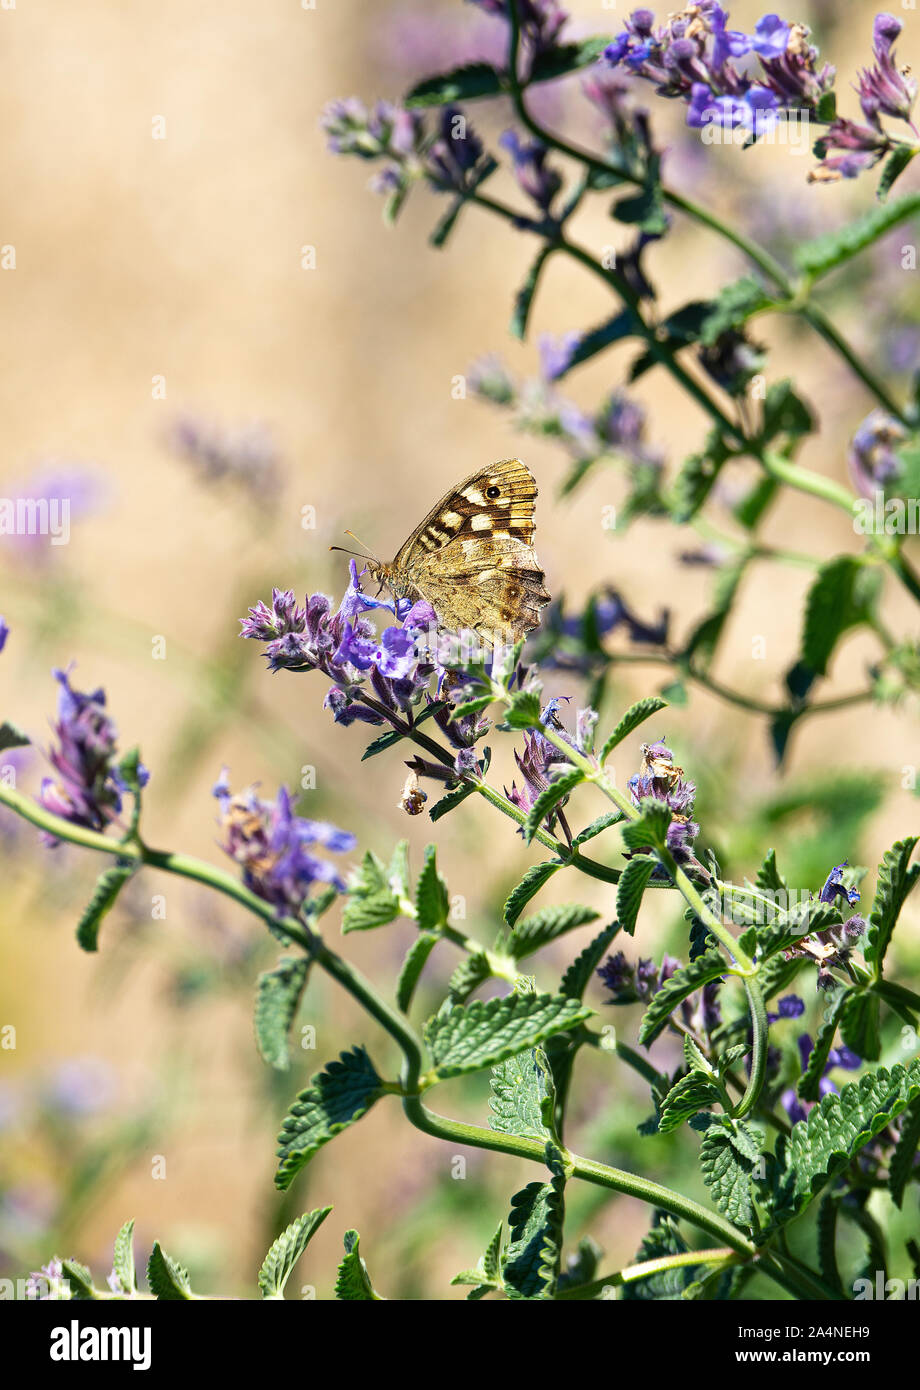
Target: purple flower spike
(835,887)
(87,789)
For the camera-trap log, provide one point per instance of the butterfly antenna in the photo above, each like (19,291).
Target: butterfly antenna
(366,554)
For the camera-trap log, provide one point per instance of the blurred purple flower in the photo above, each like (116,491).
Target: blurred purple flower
(842,1057)
(872,456)
(4,632)
(81,1086)
(885,87)
(529,164)
(245,455)
(274,847)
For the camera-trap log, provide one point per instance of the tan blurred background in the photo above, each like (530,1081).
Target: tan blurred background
(181,258)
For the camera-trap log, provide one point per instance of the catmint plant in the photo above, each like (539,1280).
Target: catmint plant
(777,1042)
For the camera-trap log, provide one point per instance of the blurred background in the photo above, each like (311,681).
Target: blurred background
(174,369)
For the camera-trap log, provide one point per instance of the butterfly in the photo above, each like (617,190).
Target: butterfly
(472,558)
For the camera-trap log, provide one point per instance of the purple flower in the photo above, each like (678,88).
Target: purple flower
(884,87)
(841,1057)
(771,37)
(393,654)
(88,788)
(872,457)
(81,1086)
(455,160)
(274,847)
(529,164)
(541,758)
(556,354)
(4,632)
(246,456)
(834,887)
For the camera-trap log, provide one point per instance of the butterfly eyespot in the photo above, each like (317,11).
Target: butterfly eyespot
(493,491)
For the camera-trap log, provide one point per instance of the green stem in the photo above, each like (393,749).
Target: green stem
(632,1273)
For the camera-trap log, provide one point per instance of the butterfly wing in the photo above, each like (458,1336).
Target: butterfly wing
(472,557)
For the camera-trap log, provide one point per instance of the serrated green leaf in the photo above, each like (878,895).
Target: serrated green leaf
(578,975)
(532,1257)
(896,878)
(412,967)
(277,1000)
(79,1280)
(835,1129)
(824,1041)
(523,300)
(841,597)
(451,800)
(549,798)
(732,307)
(353,1283)
(769,877)
(485,1032)
(546,925)
(597,827)
(524,710)
(634,716)
(727,1167)
(287,1250)
(468,975)
(528,888)
(123,1262)
(894,167)
(486,1275)
(784,412)
(684,982)
(902,1167)
(335,1099)
(465,83)
(371,901)
(651,829)
(633,882)
(108,886)
(686,1098)
(523,1096)
(168,1281)
(818,257)
(859,1024)
(431,902)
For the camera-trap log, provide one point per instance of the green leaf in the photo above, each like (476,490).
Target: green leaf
(531,1259)
(668,1284)
(633,882)
(335,1099)
(697,476)
(859,1024)
(451,800)
(578,975)
(549,798)
(686,1098)
(644,210)
(277,999)
(523,1096)
(826,110)
(769,877)
(528,888)
(371,901)
(465,83)
(824,1041)
(634,716)
(614,330)
(727,1167)
(732,307)
(485,1032)
(412,967)
(895,165)
(11,736)
(80,1281)
(597,827)
(524,710)
(711,965)
(842,596)
(524,297)
(287,1250)
(784,412)
(123,1262)
(469,975)
(896,878)
(168,1281)
(901,1167)
(431,902)
(353,1283)
(823,1144)
(108,886)
(486,1276)
(651,829)
(548,924)
(818,257)
(564,58)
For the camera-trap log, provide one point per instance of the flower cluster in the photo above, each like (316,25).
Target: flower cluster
(246,456)
(89,785)
(275,847)
(541,759)
(448,156)
(693,57)
(632,983)
(831,948)
(662,780)
(849,147)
